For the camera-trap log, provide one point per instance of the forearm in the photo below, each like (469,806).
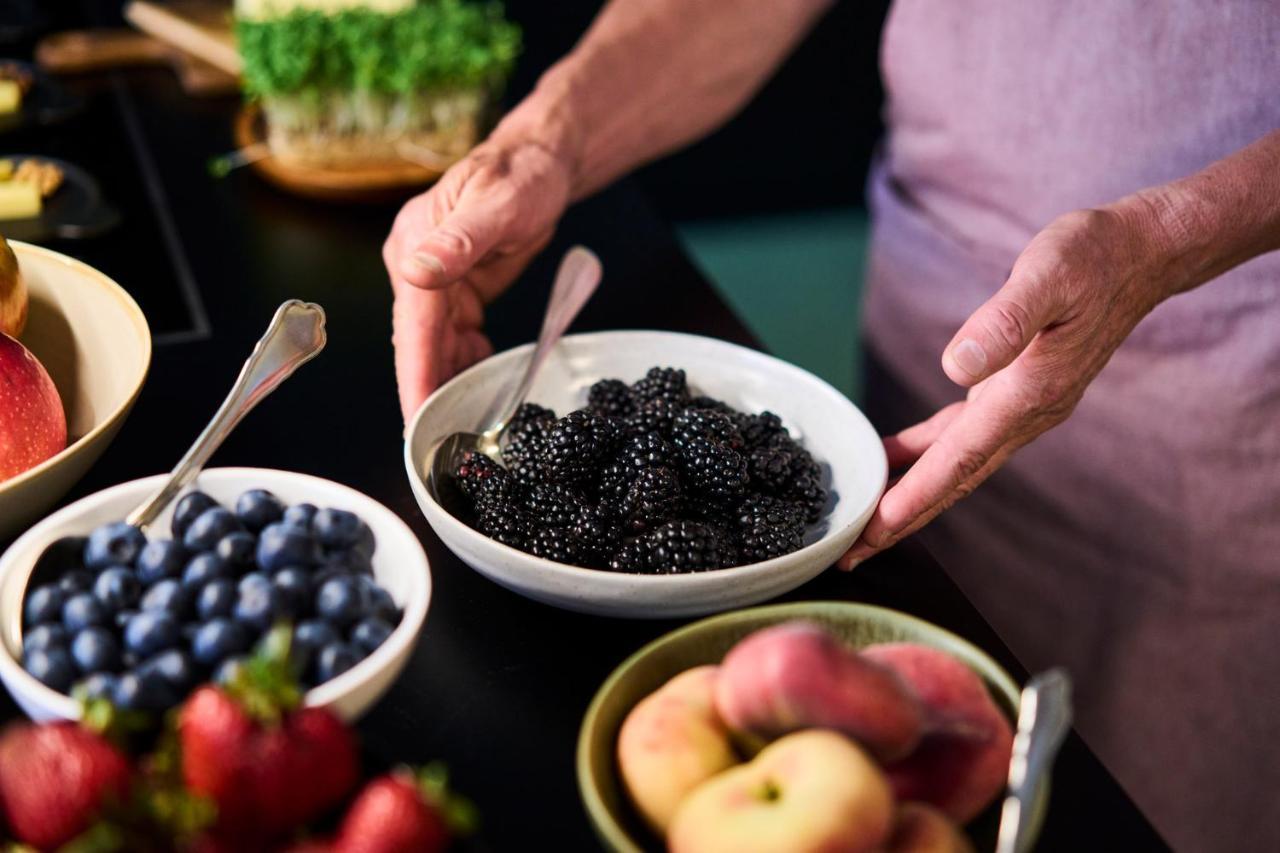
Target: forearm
(652,75)
(1220,217)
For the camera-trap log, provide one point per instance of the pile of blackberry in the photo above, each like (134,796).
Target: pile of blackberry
(647,478)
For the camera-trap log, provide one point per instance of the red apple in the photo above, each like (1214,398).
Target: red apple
(33,426)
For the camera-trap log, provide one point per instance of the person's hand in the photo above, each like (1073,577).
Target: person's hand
(1027,356)
(454,248)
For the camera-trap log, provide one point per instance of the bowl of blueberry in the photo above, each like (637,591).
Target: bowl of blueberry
(93,607)
(651,474)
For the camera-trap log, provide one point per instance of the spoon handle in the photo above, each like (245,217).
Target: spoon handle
(296,335)
(1044,718)
(576,280)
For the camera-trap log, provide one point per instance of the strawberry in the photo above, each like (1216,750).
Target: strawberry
(267,765)
(403,811)
(55,779)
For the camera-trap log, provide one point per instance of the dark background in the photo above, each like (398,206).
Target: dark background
(803,142)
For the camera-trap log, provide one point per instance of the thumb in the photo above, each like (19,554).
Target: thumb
(451,248)
(1000,330)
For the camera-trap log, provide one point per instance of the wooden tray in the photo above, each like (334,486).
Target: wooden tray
(382,183)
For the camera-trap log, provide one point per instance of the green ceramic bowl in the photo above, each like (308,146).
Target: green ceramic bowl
(707,641)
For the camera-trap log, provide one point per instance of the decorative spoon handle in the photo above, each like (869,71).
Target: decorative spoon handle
(576,280)
(296,335)
(1044,718)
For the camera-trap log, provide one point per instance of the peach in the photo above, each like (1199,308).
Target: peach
(671,742)
(798,676)
(807,792)
(962,762)
(923,829)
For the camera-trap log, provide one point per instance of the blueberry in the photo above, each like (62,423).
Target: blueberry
(99,685)
(335,659)
(336,528)
(340,601)
(216,599)
(227,670)
(189,506)
(117,588)
(282,545)
(299,515)
(208,527)
(257,508)
(115,544)
(258,606)
(150,632)
(253,579)
(203,568)
(83,610)
(96,650)
(169,594)
(122,618)
(237,548)
(328,572)
(174,666)
(45,637)
(370,633)
(365,542)
(144,691)
(378,601)
(314,634)
(219,639)
(350,561)
(161,558)
(294,586)
(52,667)
(75,580)
(44,604)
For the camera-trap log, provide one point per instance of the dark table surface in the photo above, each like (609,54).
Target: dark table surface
(497,684)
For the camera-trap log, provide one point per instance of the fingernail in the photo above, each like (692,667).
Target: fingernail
(428,262)
(970,357)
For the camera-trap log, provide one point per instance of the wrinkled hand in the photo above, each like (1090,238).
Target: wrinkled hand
(456,247)
(1026,356)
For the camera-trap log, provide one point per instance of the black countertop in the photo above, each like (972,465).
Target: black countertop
(498,684)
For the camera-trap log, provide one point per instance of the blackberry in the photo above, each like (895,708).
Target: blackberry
(713,470)
(769,527)
(611,398)
(631,556)
(530,418)
(576,444)
(704,423)
(598,534)
(662,383)
(808,491)
(654,416)
(647,450)
(759,430)
(483,480)
(554,504)
(653,498)
(713,405)
(506,523)
(770,467)
(678,547)
(526,442)
(614,483)
(555,543)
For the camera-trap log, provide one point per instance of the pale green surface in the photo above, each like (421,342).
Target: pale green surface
(795,279)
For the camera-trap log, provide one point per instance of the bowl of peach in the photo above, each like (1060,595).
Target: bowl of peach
(805,727)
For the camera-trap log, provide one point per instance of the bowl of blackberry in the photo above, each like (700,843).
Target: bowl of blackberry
(654,475)
(143,617)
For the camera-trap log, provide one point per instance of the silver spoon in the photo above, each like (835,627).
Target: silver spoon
(1044,718)
(576,280)
(296,335)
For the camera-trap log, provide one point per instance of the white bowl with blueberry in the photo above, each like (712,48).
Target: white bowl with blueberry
(141,618)
(651,475)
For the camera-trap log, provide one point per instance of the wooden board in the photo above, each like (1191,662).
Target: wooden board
(87,51)
(382,183)
(201,28)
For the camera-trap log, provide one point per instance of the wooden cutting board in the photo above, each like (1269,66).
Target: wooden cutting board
(201,28)
(87,51)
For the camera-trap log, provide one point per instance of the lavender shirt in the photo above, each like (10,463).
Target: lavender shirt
(1138,543)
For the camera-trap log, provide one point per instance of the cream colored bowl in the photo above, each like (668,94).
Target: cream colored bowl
(829,425)
(92,338)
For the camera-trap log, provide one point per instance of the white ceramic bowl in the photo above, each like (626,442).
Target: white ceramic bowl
(92,338)
(829,425)
(399,565)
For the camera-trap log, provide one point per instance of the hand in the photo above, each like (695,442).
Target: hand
(456,247)
(1027,356)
